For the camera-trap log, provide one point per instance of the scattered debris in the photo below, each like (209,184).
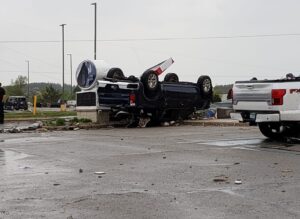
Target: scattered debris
(46,173)
(236,163)
(283,191)
(286,171)
(166,124)
(238,182)
(56,184)
(99,173)
(13,130)
(172,123)
(143,122)
(24,167)
(35,125)
(221,178)
(76,129)
(164,157)
(275,163)
(80,170)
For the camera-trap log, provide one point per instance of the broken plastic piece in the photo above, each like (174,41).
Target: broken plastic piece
(99,173)
(238,182)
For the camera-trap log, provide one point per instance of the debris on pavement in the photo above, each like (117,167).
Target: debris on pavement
(166,124)
(99,173)
(143,122)
(287,171)
(80,170)
(24,167)
(221,178)
(238,182)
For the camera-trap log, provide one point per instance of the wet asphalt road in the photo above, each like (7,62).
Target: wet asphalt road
(163,172)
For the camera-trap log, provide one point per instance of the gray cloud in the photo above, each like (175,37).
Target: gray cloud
(226,60)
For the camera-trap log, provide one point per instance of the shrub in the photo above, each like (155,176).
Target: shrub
(60,122)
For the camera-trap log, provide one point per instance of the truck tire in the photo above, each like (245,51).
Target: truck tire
(271,130)
(205,86)
(115,73)
(171,77)
(151,84)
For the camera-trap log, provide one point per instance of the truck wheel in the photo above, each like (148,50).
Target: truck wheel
(115,73)
(150,83)
(271,130)
(171,77)
(204,83)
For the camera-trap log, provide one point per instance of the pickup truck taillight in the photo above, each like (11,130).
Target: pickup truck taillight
(277,96)
(132,99)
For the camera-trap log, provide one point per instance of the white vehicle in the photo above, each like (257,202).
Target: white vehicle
(273,105)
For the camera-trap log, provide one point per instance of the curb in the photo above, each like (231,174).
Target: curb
(73,128)
(215,122)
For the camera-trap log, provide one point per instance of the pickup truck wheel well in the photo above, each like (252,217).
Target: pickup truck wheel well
(171,77)
(115,73)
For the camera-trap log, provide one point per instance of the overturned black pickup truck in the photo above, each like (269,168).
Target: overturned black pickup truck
(134,98)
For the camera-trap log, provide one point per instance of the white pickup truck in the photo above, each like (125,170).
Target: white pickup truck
(273,105)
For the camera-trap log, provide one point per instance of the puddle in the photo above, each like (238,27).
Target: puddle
(35,139)
(223,190)
(10,160)
(229,143)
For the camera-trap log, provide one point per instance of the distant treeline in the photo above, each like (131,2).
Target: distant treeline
(222,89)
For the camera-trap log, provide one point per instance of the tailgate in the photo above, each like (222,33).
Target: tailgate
(117,94)
(253,96)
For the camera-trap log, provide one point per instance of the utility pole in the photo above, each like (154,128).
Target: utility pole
(27,78)
(95,31)
(63,59)
(71,71)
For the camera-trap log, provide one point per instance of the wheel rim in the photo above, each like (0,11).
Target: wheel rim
(152,81)
(276,129)
(206,85)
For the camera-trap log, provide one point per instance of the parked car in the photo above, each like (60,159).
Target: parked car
(273,105)
(71,103)
(16,103)
(135,98)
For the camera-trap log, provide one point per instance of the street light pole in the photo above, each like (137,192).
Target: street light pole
(95,34)
(71,71)
(27,78)
(63,59)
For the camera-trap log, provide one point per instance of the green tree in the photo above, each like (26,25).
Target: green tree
(50,95)
(17,87)
(216,98)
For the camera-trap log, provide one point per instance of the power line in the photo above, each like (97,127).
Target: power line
(34,72)
(157,39)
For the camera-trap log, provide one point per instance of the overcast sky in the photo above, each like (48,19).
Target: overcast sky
(202,25)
